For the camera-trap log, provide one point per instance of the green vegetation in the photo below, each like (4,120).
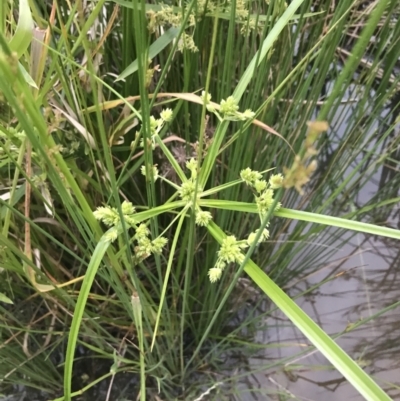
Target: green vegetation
(153,155)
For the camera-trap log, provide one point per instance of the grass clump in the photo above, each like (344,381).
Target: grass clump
(124,191)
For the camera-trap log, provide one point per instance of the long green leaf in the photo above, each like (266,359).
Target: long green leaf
(305,216)
(342,362)
(159,45)
(24,32)
(90,274)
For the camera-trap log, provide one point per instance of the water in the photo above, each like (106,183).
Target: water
(364,279)
(366,282)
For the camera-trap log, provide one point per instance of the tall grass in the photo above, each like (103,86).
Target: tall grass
(77,127)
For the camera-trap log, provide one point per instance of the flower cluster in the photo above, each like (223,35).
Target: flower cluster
(156,124)
(302,169)
(154,171)
(228,109)
(111,218)
(264,190)
(188,188)
(231,250)
(186,42)
(203,217)
(10,142)
(187,191)
(145,246)
(169,16)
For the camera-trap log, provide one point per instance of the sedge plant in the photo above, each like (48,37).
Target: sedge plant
(154,198)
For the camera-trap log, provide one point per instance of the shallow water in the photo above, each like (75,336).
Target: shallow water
(365,279)
(367,282)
